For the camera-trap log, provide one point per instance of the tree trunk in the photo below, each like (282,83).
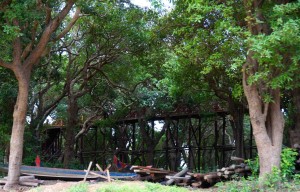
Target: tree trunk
(266,118)
(17,135)
(70,131)
(268,124)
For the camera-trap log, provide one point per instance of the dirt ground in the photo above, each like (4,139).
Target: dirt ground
(63,186)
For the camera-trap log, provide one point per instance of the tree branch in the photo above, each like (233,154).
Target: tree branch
(17,50)
(70,25)
(265,113)
(4,4)
(29,47)
(51,27)
(85,126)
(5,65)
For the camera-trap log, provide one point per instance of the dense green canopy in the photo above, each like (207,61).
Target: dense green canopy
(85,61)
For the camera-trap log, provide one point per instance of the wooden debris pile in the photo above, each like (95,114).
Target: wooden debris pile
(205,180)
(150,174)
(197,180)
(227,173)
(25,181)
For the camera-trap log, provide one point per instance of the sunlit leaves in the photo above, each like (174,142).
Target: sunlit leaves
(278,53)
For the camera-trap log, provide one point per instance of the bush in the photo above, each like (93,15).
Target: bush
(287,165)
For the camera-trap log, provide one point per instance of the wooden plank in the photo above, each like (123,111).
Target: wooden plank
(25,183)
(151,172)
(107,168)
(98,166)
(178,178)
(89,168)
(108,175)
(98,175)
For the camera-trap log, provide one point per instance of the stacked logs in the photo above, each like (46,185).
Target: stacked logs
(205,180)
(150,174)
(227,173)
(25,181)
(196,180)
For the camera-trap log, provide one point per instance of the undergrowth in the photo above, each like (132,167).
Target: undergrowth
(282,179)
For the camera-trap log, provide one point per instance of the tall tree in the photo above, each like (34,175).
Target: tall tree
(28,28)
(105,42)
(272,60)
(207,44)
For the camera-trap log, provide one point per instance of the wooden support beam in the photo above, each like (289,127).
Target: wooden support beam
(87,172)
(108,176)
(98,166)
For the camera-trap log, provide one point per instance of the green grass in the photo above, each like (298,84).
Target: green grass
(81,187)
(146,187)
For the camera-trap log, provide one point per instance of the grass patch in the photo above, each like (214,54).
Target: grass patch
(254,185)
(146,187)
(81,187)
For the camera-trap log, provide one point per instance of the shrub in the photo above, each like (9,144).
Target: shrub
(287,164)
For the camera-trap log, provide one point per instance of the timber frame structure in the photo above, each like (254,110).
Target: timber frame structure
(171,141)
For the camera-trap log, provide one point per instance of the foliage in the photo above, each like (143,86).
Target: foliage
(81,187)
(287,165)
(272,183)
(254,166)
(274,49)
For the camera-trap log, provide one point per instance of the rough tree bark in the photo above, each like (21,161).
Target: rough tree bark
(19,115)
(70,131)
(266,117)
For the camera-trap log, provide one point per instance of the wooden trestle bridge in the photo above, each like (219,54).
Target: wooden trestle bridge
(182,138)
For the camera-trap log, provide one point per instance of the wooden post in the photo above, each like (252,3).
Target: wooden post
(133,144)
(251,141)
(167,145)
(199,143)
(153,139)
(176,144)
(216,141)
(108,175)
(189,146)
(96,144)
(88,170)
(223,140)
(98,166)
(80,151)
(104,145)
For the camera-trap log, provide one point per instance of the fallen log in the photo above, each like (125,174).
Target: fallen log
(184,171)
(233,158)
(25,183)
